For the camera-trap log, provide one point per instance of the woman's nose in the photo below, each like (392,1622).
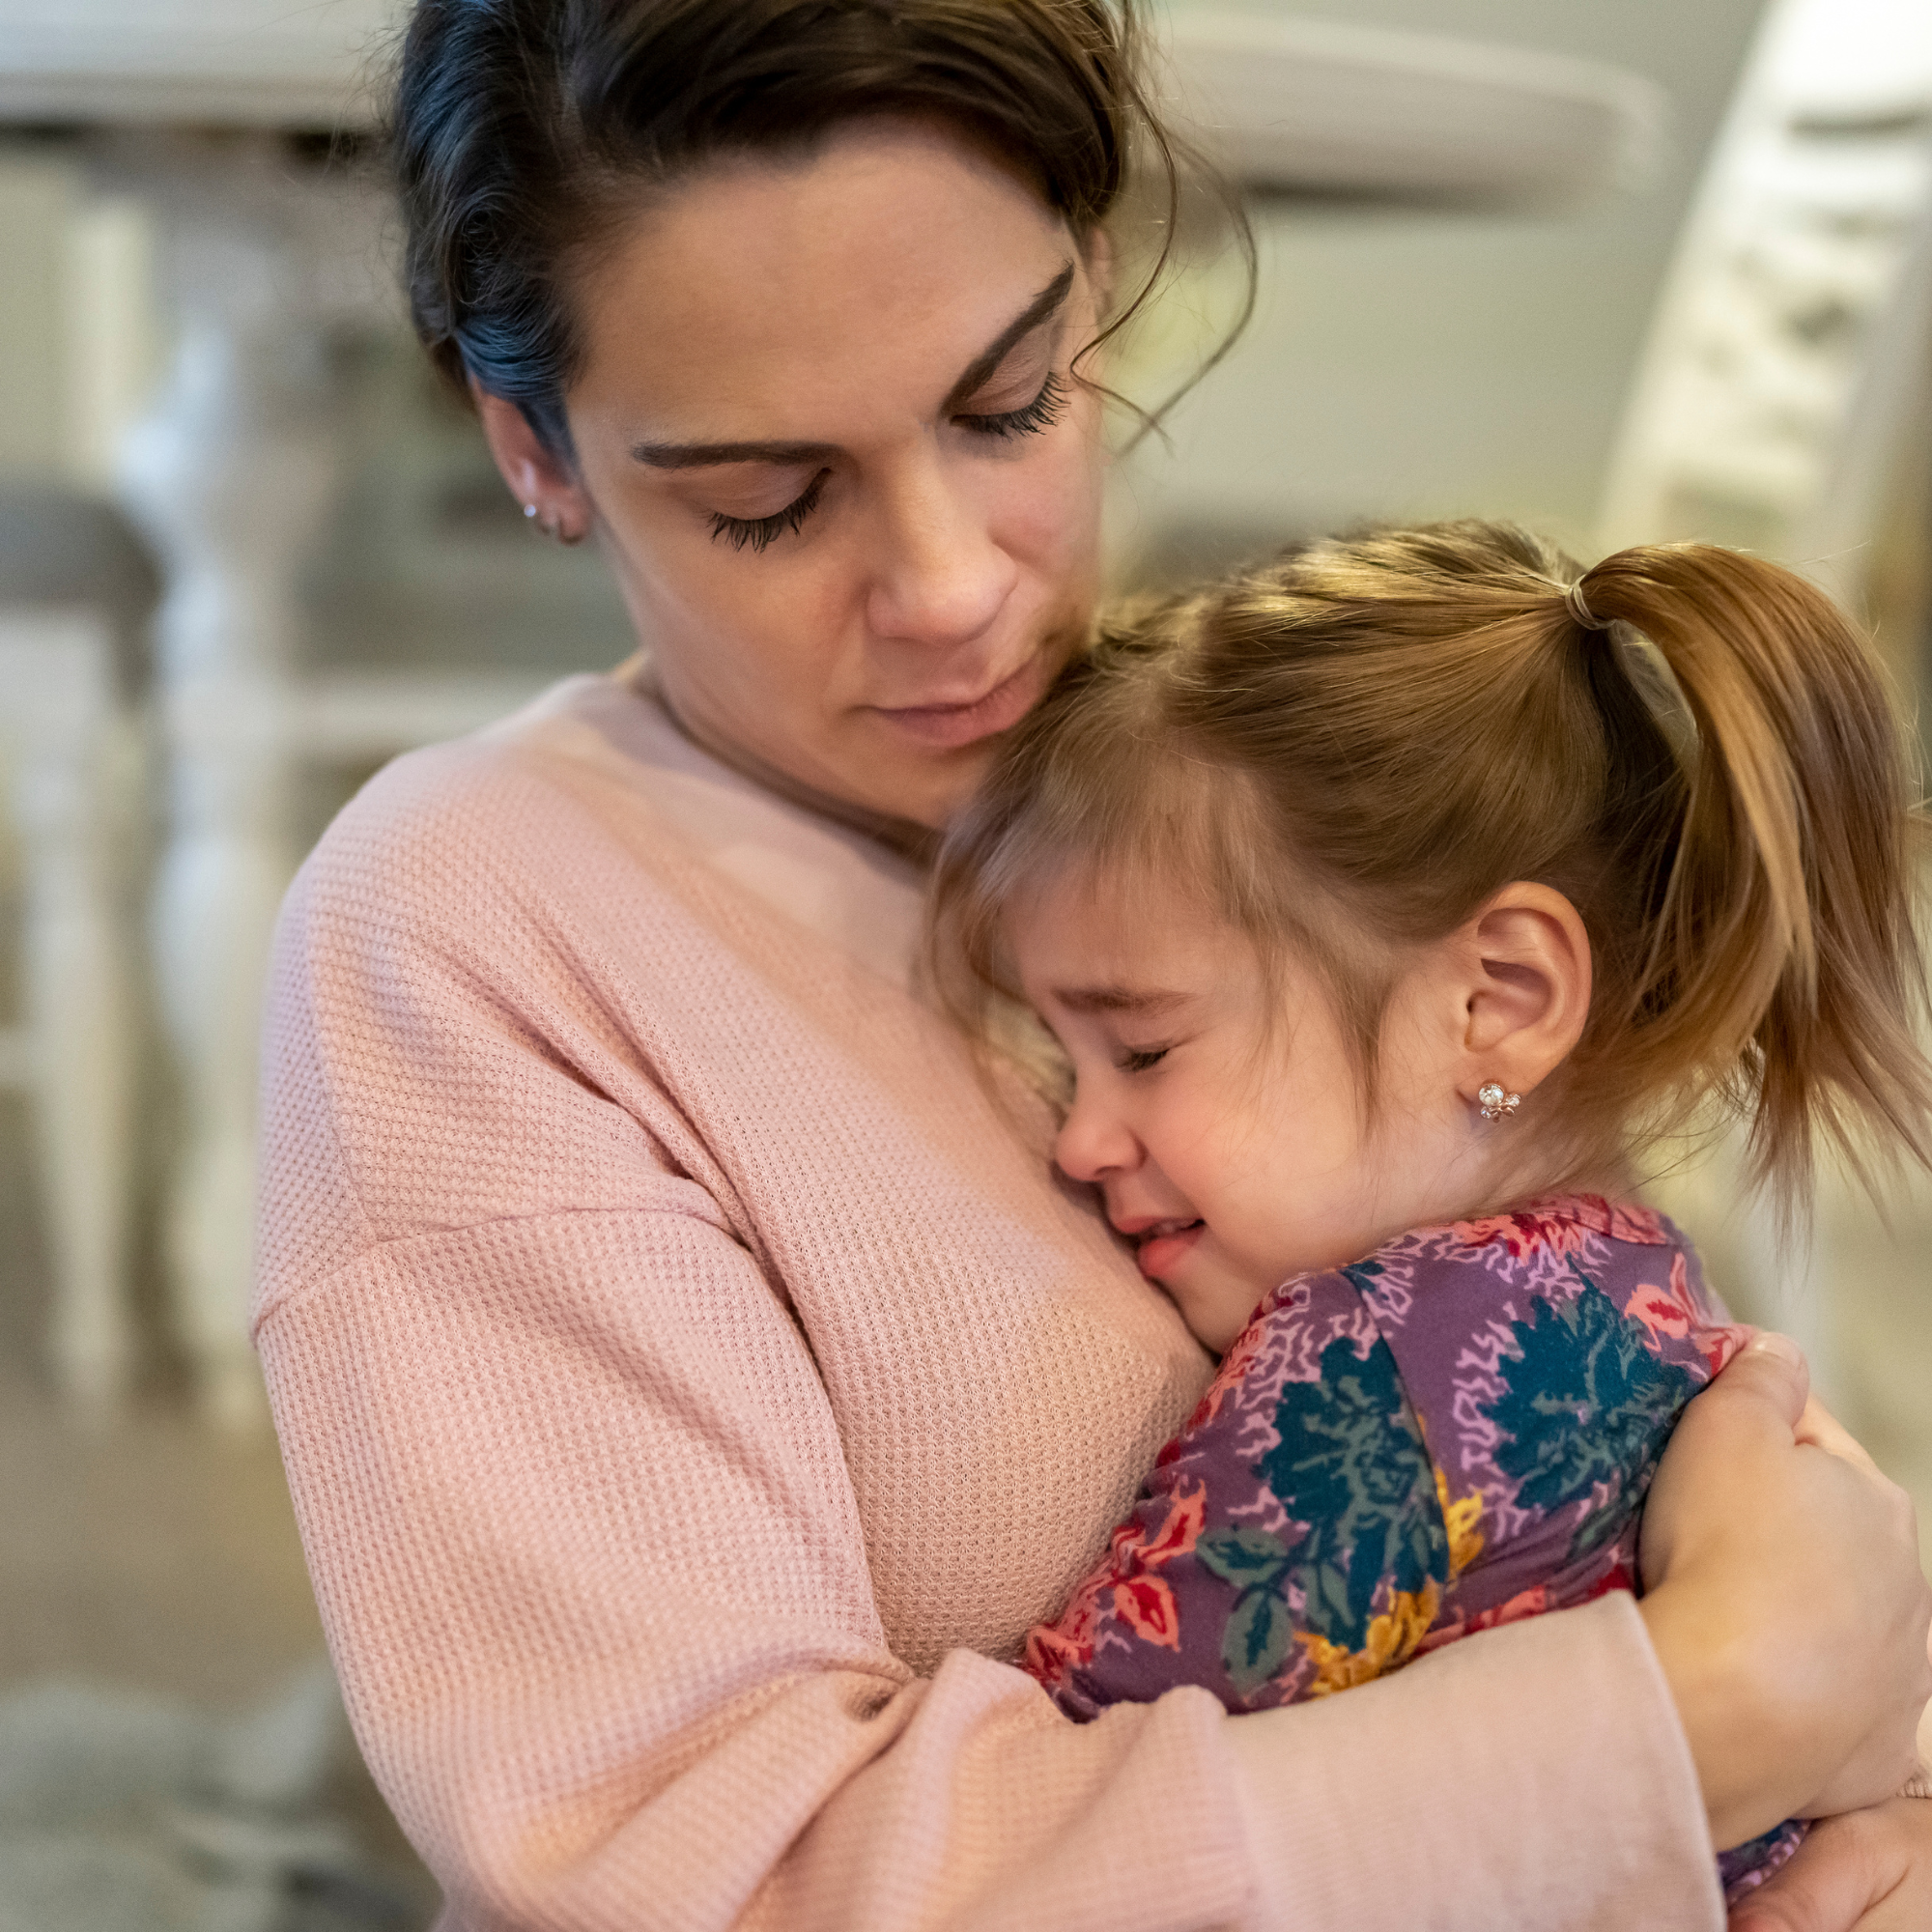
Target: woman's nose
(941,579)
(1092,1143)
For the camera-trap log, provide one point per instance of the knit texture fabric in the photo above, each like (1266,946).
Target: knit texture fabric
(692,1386)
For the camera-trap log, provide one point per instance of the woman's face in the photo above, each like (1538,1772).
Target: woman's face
(827,431)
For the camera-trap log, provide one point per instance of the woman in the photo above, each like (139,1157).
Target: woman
(690,1383)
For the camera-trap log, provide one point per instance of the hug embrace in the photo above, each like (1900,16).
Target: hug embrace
(940,1257)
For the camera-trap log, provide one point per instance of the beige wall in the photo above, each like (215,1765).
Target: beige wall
(1416,365)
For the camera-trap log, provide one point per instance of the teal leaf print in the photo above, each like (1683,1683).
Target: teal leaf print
(1257,1638)
(1585,1404)
(1244,1556)
(1351,1465)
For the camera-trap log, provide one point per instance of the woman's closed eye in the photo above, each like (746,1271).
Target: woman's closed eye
(758,534)
(1045,410)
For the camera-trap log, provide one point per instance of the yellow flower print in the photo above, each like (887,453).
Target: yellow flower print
(1466,1539)
(1392,1641)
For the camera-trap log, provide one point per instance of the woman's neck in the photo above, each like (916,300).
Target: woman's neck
(918,844)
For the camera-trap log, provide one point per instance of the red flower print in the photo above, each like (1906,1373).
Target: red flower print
(1629,1221)
(1660,1313)
(1147,1607)
(1675,1312)
(1178,1534)
(1234,1366)
(1523,1233)
(1721,1343)
(1051,1655)
(1531,1602)
(1135,1549)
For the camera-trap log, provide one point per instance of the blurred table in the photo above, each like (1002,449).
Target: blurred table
(237,468)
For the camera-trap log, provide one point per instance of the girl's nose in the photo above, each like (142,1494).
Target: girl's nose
(1092,1143)
(943,579)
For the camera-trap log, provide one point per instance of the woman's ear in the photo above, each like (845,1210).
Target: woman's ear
(1523,970)
(541,483)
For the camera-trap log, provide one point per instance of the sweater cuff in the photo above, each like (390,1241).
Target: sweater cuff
(1533,1777)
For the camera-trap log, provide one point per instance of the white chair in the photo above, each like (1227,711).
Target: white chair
(1784,393)
(71,763)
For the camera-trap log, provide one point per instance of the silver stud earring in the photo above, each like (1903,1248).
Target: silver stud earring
(1497,1105)
(553,526)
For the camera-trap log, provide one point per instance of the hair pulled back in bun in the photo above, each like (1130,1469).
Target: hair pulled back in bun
(523,131)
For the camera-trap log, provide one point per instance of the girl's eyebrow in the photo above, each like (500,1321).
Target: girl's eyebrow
(1043,308)
(1116,999)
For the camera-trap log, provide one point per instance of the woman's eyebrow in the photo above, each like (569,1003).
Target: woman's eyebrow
(1043,308)
(702,455)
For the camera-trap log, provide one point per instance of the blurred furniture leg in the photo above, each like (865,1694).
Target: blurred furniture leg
(1785,371)
(69,748)
(231,475)
(234,475)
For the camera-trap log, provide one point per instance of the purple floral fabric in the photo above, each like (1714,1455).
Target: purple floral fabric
(1455,1433)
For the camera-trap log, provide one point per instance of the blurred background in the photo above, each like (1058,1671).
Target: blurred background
(1630,272)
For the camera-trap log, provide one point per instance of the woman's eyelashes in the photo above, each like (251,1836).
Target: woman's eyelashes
(761,532)
(1043,413)
(756,534)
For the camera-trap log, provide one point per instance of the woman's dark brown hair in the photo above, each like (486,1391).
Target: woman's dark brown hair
(1352,749)
(522,131)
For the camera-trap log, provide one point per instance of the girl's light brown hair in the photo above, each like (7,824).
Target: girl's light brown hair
(1350,750)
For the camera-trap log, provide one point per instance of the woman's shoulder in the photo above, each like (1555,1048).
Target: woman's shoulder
(522,795)
(589,804)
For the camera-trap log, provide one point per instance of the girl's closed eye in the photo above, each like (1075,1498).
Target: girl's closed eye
(1139,1059)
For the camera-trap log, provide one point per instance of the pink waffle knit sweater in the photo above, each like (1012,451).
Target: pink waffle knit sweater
(692,1390)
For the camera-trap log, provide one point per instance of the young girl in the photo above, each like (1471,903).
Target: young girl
(1383,903)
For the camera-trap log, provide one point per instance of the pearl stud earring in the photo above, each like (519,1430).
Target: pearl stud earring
(1497,1105)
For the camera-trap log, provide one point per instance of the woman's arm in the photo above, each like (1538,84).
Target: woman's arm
(596,1578)
(579,1525)
(1786,1602)
(1867,1871)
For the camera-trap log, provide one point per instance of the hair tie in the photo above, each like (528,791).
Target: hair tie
(1581,611)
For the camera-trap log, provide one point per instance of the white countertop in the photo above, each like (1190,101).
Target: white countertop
(1293,104)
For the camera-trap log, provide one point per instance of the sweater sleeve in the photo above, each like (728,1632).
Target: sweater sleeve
(595,1580)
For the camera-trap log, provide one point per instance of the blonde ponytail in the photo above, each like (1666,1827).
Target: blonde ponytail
(1782,952)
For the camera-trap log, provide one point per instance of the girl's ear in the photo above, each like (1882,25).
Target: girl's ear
(1523,972)
(534,474)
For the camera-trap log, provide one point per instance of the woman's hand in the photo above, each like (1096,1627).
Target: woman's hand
(1868,1871)
(1784,1601)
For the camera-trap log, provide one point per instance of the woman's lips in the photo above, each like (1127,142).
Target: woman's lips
(1163,1246)
(946,727)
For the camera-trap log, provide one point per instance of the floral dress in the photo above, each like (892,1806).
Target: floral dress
(1455,1433)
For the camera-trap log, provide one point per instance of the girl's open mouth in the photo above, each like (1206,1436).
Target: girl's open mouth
(1164,1245)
